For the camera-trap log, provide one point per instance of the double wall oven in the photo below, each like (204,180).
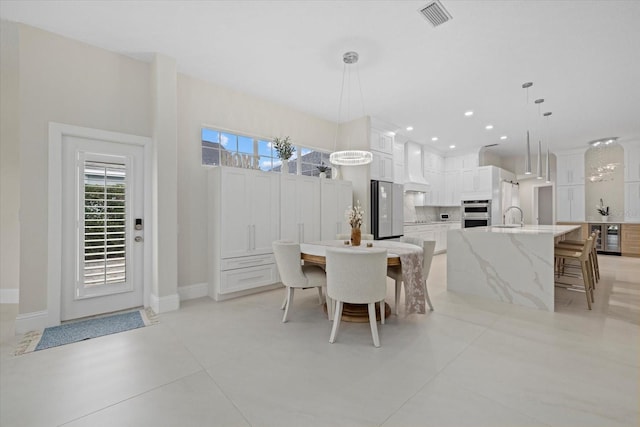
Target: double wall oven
(476,213)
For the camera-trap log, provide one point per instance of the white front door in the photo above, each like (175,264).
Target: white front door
(102,226)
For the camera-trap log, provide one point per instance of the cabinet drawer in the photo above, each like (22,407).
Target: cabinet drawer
(247,261)
(630,239)
(247,278)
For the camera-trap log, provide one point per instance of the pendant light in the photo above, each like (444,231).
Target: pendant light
(349,157)
(527,158)
(538,103)
(548,172)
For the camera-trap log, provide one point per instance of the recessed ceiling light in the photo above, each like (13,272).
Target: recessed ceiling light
(503,137)
(409,128)
(468,113)
(452,146)
(435,138)
(488,127)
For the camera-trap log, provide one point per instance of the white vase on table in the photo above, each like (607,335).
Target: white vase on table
(605,218)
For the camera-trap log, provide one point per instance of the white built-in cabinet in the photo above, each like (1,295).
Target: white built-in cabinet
(631,181)
(243,216)
(477,183)
(398,163)
(382,165)
(632,201)
(570,203)
(570,189)
(335,197)
(570,168)
(300,208)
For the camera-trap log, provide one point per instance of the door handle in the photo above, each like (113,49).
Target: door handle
(138,238)
(254,237)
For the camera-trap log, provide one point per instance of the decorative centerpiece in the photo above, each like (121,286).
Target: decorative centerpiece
(354,216)
(285,150)
(323,170)
(603,210)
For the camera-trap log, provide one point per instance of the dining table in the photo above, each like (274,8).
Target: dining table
(399,254)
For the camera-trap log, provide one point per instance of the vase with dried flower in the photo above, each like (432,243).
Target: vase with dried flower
(603,211)
(355,215)
(285,149)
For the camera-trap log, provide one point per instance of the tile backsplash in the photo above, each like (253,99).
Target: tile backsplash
(413,213)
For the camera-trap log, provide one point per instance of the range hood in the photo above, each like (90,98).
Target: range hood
(413,178)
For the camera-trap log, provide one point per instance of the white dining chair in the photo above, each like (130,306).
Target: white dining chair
(357,277)
(295,275)
(395,272)
(363,236)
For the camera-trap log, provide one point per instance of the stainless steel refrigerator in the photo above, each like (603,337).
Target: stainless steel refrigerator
(387,210)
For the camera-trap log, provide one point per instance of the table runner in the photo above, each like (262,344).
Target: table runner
(411,263)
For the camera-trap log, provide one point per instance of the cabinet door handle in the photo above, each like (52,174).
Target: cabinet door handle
(254,237)
(248,237)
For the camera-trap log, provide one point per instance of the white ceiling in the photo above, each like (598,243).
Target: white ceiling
(582,57)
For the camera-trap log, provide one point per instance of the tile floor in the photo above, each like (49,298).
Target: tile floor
(471,362)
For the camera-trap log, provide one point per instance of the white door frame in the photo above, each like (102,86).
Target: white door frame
(534,200)
(57,132)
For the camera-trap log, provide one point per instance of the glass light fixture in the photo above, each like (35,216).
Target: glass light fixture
(527,158)
(349,157)
(548,171)
(538,103)
(601,168)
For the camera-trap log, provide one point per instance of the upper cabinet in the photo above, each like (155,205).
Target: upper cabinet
(381,141)
(300,208)
(570,168)
(382,165)
(398,163)
(631,161)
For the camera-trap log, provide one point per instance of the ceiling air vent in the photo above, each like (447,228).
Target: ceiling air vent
(435,13)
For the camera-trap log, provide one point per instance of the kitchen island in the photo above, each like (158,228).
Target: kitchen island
(506,263)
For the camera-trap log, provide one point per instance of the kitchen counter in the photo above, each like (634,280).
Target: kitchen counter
(510,264)
(556,230)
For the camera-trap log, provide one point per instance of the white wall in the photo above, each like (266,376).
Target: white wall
(64,81)
(9,164)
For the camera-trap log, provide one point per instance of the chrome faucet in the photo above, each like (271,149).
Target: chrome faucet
(506,211)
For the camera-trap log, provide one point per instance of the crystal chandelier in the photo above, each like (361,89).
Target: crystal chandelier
(349,157)
(602,168)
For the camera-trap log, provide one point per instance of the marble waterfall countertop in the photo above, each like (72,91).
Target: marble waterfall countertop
(510,264)
(556,230)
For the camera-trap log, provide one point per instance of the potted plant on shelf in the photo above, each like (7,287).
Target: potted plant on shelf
(323,170)
(603,210)
(354,215)
(285,149)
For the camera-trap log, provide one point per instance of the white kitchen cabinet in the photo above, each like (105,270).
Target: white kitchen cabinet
(453,188)
(570,168)
(382,166)
(398,163)
(477,183)
(299,208)
(381,141)
(632,201)
(243,218)
(249,208)
(335,197)
(631,161)
(570,203)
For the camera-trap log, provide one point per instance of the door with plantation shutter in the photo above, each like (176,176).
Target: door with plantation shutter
(102,248)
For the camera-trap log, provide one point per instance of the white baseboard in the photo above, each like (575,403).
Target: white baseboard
(197,290)
(9,296)
(164,304)
(35,321)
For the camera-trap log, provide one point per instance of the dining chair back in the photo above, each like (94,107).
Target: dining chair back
(428,248)
(357,277)
(295,275)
